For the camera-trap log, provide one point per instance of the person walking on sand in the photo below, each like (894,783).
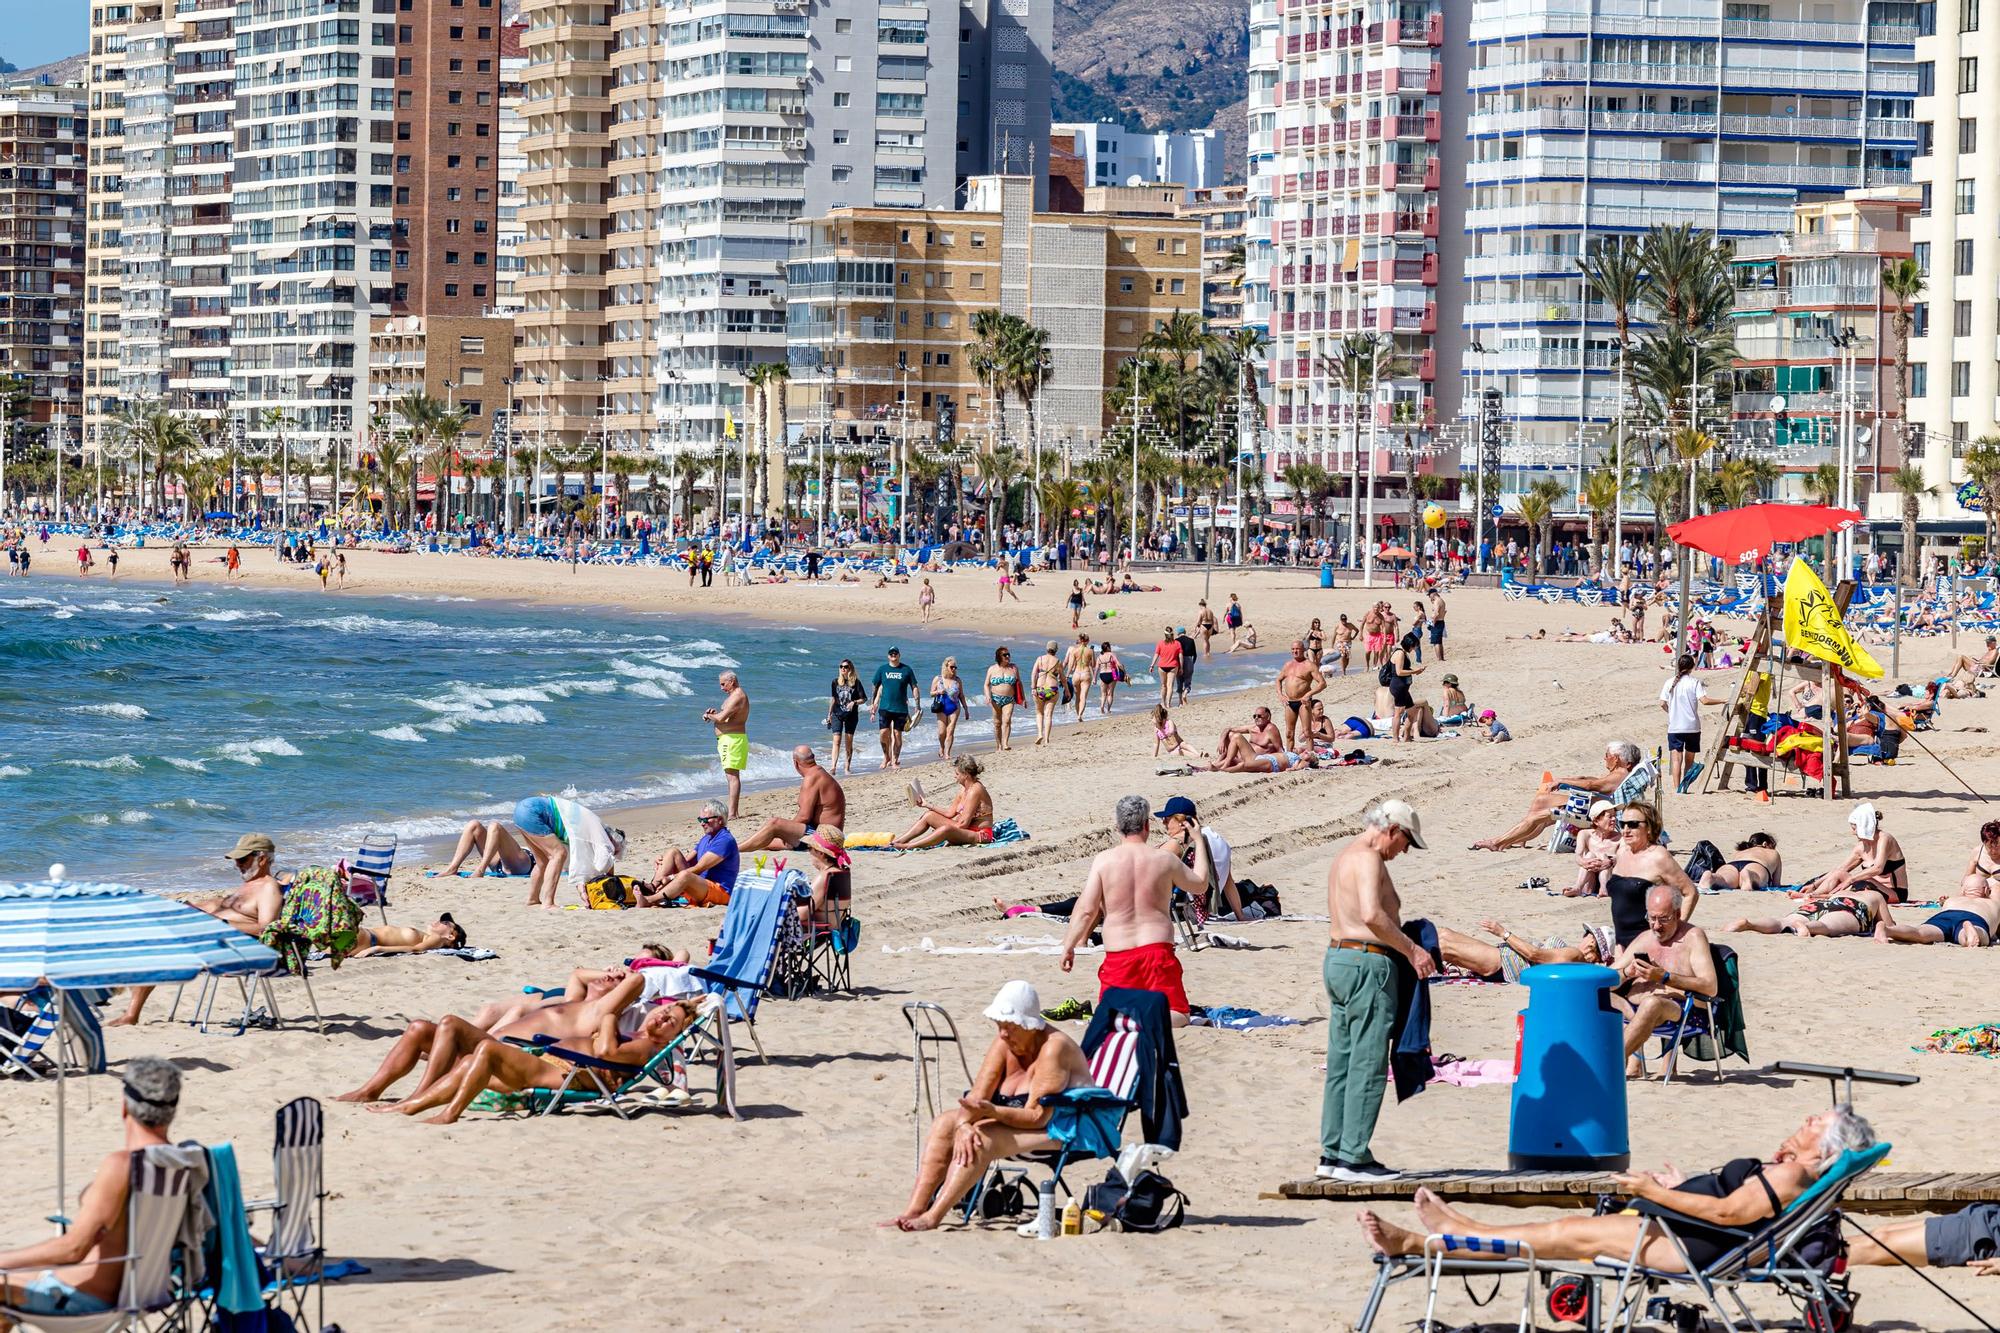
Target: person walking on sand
(1437,623)
(234,563)
(1205,625)
(732,735)
(1045,680)
(1006,577)
(1129,890)
(340,568)
(1075,602)
(1364,917)
(926,601)
(1081,664)
(895,696)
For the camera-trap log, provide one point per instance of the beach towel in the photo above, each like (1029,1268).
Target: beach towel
(239,1286)
(1237,1019)
(1472,1073)
(468,954)
(1980,1039)
(317,917)
(1004,832)
(492,872)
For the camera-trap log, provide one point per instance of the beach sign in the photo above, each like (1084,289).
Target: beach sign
(1813,624)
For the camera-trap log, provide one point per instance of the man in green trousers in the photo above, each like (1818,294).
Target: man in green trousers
(1365,923)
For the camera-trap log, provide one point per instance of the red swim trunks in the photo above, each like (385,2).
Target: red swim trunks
(1149,967)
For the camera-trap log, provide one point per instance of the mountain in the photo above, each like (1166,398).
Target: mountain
(1163,64)
(70,69)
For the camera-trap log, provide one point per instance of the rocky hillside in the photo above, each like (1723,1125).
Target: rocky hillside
(1165,64)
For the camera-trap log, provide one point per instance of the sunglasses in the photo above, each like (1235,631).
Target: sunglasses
(1631,823)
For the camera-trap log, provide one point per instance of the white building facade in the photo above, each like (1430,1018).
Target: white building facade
(1114,155)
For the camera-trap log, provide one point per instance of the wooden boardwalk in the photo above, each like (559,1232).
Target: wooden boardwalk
(1876,1192)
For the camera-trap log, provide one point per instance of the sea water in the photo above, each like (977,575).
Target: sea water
(143,727)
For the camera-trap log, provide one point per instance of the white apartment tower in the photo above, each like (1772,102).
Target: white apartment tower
(103,203)
(1347,159)
(1595,119)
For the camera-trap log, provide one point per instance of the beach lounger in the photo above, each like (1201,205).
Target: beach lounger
(156,1206)
(746,949)
(931,1030)
(1781,1253)
(1638,785)
(619,1086)
(26,1053)
(374,861)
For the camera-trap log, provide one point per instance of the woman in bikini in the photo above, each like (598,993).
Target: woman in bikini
(1045,681)
(1081,664)
(1003,692)
(1757,866)
(1110,671)
(1982,876)
(1315,641)
(968,822)
(1875,863)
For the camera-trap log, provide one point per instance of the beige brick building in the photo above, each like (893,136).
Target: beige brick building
(880,305)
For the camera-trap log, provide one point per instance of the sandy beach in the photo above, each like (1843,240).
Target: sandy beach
(582,1220)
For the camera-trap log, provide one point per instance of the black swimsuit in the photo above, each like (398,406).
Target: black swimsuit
(1705,1241)
(1628,906)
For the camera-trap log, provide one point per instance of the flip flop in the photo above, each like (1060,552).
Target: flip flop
(1688,780)
(1534,882)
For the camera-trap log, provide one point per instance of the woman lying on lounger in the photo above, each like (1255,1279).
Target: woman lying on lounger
(1703,1210)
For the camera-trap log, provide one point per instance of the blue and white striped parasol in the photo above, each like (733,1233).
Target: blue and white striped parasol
(78,935)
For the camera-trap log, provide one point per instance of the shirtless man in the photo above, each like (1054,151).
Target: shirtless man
(1669,961)
(1299,680)
(1239,743)
(1967,918)
(82,1271)
(1002,1115)
(1437,623)
(250,908)
(1344,634)
(968,822)
(1365,931)
(1130,891)
(732,738)
(821,801)
(1374,636)
(380,941)
(1986,664)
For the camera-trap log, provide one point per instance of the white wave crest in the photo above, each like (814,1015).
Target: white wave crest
(132,711)
(134,817)
(252,752)
(365,624)
(96,821)
(226,617)
(186,765)
(121,763)
(648,689)
(405,732)
(14,771)
(501,761)
(188,803)
(121,607)
(23,603)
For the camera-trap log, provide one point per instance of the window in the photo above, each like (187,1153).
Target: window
(843,25)
(978,240)
(454,97)
(1159,286)
(452,194)
(842,173)
(457,33)
(1124,284)
(451,129)
(1962,197)
(471,346)
(1920,319)
(1968,135)
(1968,74)
(402,163)
(478,258)
(1129,245)
(1180,245)
(840,99)
(1961,378)
(1159,245)
(451,226)
(1961,319)
(1920,379)
(1921,253)
(469,375)
(840,136)
(451,289)
(451,256)
(452,161)
(978,280)
(1178,287)
(1968,15)
(1961,257)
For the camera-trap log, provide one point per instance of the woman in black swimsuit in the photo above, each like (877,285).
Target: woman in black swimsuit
(1758,867)
(1707,1212)
(1875,863)
(1982,877)
(1640,864)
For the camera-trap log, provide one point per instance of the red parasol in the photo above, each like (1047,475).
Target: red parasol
(1741,536)
(1396,553)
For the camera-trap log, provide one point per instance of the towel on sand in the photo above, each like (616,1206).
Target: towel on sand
(1981,1039)
(1004,832)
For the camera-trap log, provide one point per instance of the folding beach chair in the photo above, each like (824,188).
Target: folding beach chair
(156,1204)
(296,1250)
(746,950)
(1783,1253)
(664,1078)
(830,950)
(931,1030)
(374,861)
(1704,1021)
(25,1053)
(1638,785)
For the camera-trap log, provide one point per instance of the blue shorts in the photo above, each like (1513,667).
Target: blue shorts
(1437,631)
(49,1294)
(1683,740)
(536,815)
(1950,921)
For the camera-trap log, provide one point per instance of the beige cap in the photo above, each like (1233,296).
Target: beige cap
(1398,814)
(251,844)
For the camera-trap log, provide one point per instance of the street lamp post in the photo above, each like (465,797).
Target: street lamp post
(1844,340)
(59,435)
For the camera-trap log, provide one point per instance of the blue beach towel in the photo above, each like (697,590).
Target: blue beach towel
(240,1289)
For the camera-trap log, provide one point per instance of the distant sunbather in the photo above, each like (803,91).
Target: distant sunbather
(1514,954)
(1756,866)
(496,848)
(1967,919)
(443,933)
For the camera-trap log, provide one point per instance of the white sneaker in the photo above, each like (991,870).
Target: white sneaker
(1373,1173)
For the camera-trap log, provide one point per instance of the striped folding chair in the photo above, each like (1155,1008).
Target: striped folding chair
(296,1249)
(1506,1255)
(156,1206)
(375,859)
(27,1053)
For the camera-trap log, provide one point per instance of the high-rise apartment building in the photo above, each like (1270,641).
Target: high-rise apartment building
(1589,122)
(881,302)
(670,145)
(42,185)
(143,337)
(1115,155)
(508,264)
(1222,211)
(105,73)
(443,336)
(1348,158)
(1955,396)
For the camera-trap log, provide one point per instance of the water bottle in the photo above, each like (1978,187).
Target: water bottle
(1045,1212)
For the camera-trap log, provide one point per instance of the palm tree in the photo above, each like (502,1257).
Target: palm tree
(1735,483)
(1982,469)
(986,356)
(1538,509)
(756,381)
(1914,487)
(1062,497)
(999,470)
(1616,275)
(1822,484)
(1904,280)
(1180,344)
(1103,480)
(1360,364)
(1310,484)
(1600,498)
(447,428)
(420,413)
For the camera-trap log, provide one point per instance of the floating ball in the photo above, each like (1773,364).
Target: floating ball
(1433,516)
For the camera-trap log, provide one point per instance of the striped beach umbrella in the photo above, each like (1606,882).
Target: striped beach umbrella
(76,935)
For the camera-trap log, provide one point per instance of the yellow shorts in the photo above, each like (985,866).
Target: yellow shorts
(734,751)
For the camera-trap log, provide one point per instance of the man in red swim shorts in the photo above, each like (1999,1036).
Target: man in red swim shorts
(1130,891)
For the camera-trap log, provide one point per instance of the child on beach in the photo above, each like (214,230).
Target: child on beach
(1167,737)
(1597,846)
(1496,730)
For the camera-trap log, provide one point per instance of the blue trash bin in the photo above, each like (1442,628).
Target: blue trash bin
(1325,574)
(1569,1098)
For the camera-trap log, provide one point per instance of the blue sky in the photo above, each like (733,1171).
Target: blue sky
(33,32)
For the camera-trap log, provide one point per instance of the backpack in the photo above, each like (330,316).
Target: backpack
(1387,675)
(1149,1204)
(1705,857)
(610,893)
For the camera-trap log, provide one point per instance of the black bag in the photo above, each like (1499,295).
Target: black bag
(1261,895)
(1387,675)
(1148,1204)
(1705,857)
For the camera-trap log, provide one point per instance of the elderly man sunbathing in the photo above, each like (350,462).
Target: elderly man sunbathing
(1704,1211)
(821,802)
(1002,1116)
(1669,961)
(1966,918)
(1620,758)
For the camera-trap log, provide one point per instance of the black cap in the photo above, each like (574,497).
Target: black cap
(1176,805)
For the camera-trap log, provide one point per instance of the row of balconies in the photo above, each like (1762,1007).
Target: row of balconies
(1386,414)
(1804,78)
(1425,31)
(1404,222)
(1382,319)
(1393,80)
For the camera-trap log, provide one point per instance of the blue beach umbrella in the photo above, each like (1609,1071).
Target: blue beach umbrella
(76,935)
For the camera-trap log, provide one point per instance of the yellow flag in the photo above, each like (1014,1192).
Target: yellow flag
(1813,624)
(728,425)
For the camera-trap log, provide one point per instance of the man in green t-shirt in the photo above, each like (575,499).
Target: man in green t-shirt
(895,690)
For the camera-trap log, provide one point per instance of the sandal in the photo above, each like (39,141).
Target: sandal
(1535,882)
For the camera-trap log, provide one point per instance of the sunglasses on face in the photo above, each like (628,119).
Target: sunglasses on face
(1631,823)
